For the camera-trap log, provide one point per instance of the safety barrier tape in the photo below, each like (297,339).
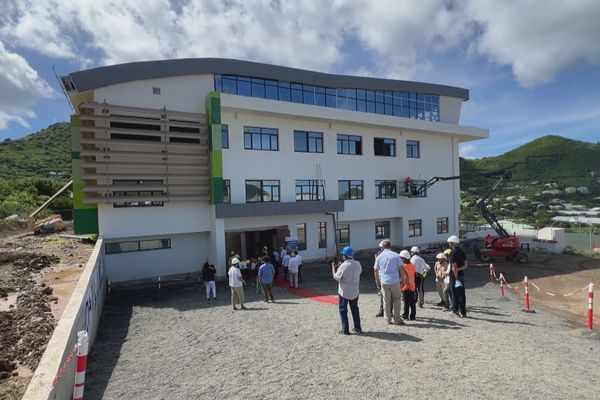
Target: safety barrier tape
(539,290)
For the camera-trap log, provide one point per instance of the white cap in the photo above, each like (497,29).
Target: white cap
(414,249)
(405,254)
(453,239)
(441,256)
(234,261)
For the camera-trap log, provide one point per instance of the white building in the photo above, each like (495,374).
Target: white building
(179,162)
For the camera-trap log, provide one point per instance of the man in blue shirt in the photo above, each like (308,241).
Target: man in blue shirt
(387,278)
(266,273)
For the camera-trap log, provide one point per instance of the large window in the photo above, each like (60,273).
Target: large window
(301,234)
(382,230)
(226,191)
(322,235)
(225,136)
(385,189)
(308,142)
(349,144)
(262,191)
(261,138)
(309,190)
(350,190)
(384,147)
(137,245)
(343,234)
(442,225)
(386,102)
(143,188)
(412,149)
(414,227)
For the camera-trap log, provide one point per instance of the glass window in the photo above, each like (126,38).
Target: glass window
(412,149)
(414,228)
(322,235)
(301,235)
(155,244)
(256,138)
(310,142)
(442,225)
(382,230)
(262,191)
(143,192)
(224,136)
(297,92)
(244,86)
(229,84)
(417,188)
(284,91)
(350,190)
(349,144)
(271,90)
(258,88)
(308,94)
(384,147)
(121,247)
(343,234)
(309,190)
(226,191)
(385,189)
(218,84)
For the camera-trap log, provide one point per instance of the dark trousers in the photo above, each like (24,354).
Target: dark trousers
(459,298)
(286,274)
(267,291)
(344,313)
(410,302)
(300,273)
(420,293)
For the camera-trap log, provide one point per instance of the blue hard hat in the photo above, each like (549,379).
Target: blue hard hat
(347,251)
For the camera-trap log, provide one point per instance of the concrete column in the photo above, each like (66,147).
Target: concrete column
(243,245)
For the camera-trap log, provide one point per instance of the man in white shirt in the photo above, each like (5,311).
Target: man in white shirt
(421,269)
(236,283)
(348,276)
(299,257)
(387,278)
(285,260)
(294,267)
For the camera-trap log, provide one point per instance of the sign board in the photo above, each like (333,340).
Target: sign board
(291,238)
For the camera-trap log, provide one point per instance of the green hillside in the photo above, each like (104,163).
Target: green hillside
(33,168)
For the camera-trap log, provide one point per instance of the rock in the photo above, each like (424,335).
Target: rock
(5,365)
(4,375)
(48,290)
(15,373)
(42,284)
(52,298)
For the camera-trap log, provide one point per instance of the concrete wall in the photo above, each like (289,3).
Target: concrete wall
(82,312)
(450,108)
(187,254)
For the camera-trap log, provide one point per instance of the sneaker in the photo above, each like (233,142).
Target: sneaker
(420,305)
(462,315)
(446,309)
(343,333)
(405,317)
(379,314)
(412,318)
(455,313)
(357,331)
(243,308)
(234,307)
(441,304)
(399,322)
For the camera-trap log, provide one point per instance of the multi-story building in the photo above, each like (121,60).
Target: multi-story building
(179,162)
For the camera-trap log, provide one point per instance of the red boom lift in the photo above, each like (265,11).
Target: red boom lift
(505,245)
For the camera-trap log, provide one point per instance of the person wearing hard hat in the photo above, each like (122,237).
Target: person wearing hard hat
(348,276)
(440,267)
(421,268)
(236,283)
(409,288)
(458,264)
(387,278)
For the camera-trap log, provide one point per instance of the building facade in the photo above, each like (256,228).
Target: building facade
(179,162)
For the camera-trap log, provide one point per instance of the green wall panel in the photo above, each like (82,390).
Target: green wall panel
(213,112)
(85,221)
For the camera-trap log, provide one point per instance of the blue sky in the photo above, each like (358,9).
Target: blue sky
(532,67)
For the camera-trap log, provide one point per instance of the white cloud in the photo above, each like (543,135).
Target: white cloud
(466,150)
(20,88)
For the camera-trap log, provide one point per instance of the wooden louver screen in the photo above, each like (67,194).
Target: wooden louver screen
(143,155)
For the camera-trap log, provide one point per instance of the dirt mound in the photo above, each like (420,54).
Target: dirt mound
(36,262)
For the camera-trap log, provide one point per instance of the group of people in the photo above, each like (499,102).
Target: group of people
(399,277)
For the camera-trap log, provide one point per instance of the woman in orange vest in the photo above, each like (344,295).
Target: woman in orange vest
(409,289)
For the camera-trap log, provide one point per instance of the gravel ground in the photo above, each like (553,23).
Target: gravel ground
(180,346)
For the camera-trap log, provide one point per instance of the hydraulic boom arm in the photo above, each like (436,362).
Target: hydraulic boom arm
(483,203)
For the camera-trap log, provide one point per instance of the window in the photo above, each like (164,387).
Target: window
(226,191)
(442,225)
(412,149)
(309,190)
(261,138)
(258,191)
(384,147)
(417,188)
(143,188)
(156,90)
(349,144)
(350,190)
(309,142)
(385,189)
(140,245)
(224,136)
(301,234)
(322,235)
(382,230)
(343,234)
(414,227)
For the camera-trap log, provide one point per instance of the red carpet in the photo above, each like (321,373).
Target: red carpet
(307,293)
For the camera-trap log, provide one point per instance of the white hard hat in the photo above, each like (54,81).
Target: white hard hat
(441,256)
(414,249)
(453,239)
(405,254)
(234,261)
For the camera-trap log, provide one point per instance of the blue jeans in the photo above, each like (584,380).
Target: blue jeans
(344,314)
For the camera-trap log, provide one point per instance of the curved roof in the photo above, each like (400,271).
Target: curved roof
(135,71)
